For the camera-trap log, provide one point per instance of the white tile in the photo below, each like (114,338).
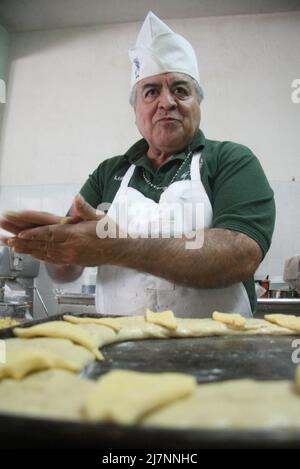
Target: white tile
(9,198)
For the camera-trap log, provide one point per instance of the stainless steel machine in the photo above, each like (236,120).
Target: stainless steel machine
(17,273)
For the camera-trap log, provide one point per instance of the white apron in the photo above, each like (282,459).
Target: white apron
(124,291)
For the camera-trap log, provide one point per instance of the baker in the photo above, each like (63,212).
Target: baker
(219,188)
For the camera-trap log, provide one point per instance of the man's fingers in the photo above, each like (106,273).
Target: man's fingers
(19,224)
(41,250)
(20,245)
(81,208)
(53,233)
(8,226)
(5,240)
(45,256)
(30,218)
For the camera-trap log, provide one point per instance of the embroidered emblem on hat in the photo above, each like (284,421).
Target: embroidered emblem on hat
(137,67)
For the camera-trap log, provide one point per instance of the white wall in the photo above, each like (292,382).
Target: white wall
(67,107)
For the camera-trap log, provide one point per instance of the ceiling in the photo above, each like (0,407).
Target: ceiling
(32,15)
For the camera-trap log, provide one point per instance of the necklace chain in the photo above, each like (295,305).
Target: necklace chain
(162,188)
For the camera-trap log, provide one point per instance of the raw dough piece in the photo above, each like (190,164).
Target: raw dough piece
(125,396)
(62,347)
(55,394)
(165,319)
(63,330)
(65,220)
(7,322)
(22,362)
(136,327)
(284,320)
(109,322)
(235,404)
(102,335)
(231,319)
(209,327)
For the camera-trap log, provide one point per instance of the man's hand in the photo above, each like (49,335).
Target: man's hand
(46,237)
(60,244)
(15,222)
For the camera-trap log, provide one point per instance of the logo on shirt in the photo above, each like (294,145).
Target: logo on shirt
(118,178)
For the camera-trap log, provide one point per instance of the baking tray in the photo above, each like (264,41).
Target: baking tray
(207,358)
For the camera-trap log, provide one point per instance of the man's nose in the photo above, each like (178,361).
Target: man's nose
(166,100)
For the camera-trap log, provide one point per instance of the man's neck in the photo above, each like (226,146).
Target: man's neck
(158,158)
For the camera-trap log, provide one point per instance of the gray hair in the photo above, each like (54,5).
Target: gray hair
(198,90)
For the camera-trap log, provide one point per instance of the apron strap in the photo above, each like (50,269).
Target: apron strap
(196,164)
(125,181)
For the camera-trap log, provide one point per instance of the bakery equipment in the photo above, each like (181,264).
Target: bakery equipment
(83,302)
(17,273)
(291,273)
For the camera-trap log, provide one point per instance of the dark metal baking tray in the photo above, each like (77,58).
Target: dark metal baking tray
(208,359)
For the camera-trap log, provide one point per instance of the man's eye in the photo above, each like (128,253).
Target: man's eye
(151,92)
(180,91)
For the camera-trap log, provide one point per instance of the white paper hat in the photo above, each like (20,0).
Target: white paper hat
(159,50)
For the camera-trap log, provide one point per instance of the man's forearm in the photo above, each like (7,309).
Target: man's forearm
(64,273)
(226,257)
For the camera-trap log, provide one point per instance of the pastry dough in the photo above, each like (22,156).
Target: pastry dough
(22,362)
(63,330)
(125,396)
(165,319)
(136,328)
(65,220)
(209,327)
(235,404)
(285,320)
(55,394)
(61,347)
(109,322)
(128,397)
(231,319)
(7,322)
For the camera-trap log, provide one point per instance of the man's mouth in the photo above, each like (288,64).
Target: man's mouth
(168,119)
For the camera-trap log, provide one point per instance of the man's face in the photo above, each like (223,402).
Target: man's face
(167,111)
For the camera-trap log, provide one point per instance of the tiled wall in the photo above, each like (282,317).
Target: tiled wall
(57,199)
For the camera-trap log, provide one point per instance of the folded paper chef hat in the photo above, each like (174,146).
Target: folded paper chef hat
(159,50)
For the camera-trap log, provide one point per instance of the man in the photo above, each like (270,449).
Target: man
(172,164)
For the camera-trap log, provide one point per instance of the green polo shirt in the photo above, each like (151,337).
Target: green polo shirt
(241,197)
